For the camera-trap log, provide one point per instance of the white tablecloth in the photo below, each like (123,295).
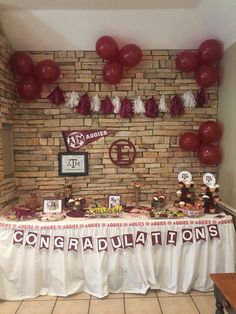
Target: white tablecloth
(113,255)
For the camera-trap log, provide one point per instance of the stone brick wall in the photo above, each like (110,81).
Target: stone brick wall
(8,190)
(38,126)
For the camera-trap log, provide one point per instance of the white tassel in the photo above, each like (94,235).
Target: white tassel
(72,99)
(189,100)
(117,104)
(139,106)
(162,105)
(95,103)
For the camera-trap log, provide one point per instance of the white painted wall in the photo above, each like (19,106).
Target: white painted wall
(68,30)
(227,115)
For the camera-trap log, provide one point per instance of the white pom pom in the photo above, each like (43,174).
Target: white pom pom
(116,103)
(162,105)
(72,99)
(95,103)
(139,106)
(189,100)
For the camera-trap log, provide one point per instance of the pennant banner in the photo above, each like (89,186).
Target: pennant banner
(76,139)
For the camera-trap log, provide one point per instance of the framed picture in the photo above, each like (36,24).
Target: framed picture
(114,200)
(51,206)
(73,164)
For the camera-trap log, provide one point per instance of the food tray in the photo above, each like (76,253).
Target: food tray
(51,217)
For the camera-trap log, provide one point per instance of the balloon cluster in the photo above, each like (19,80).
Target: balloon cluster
(209,132)
(201,62)
(129,56)
(31,77)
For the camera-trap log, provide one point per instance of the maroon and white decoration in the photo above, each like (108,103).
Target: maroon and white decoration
(76,139)
(116,242)
(122,153)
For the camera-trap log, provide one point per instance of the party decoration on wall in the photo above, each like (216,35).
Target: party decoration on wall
(76,139)
(107,106)
(84,106)
(28,88)
(96,104)
(122,153)
(210,154)
(206,75)
(112,72)
(210,50)
(176,106)
(189,100)
(201,98)
(56,96)
(107,48)
(47,71)
(189,141)
(117,104)
(72,99)
(126,109)
(209,132)
(151,108)
(21,63)
(139,106)
(187,61)
(130,55)
(162,105)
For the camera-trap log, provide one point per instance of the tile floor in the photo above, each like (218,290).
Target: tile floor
(154,302)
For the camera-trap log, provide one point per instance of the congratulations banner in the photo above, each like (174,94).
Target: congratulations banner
(116,242)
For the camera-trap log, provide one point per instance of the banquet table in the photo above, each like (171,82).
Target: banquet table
(117,255)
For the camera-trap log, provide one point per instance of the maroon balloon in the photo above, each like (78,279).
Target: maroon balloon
(107,48)
(47,71)
(209,131)
(112,72)
(130,55)
(187,61)
(206,75)
(210,154)
(28,88)
(210,50)
(189,141)
(21,63)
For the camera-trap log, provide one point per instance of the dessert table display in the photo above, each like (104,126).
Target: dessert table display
(130,253)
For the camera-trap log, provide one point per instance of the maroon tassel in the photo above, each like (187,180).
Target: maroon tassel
(56,96)
(106,106)
(126,109)
(84,106)
(151,108)
(201,98)
(176,106)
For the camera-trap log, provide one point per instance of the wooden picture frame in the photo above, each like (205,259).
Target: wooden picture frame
(73,164)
